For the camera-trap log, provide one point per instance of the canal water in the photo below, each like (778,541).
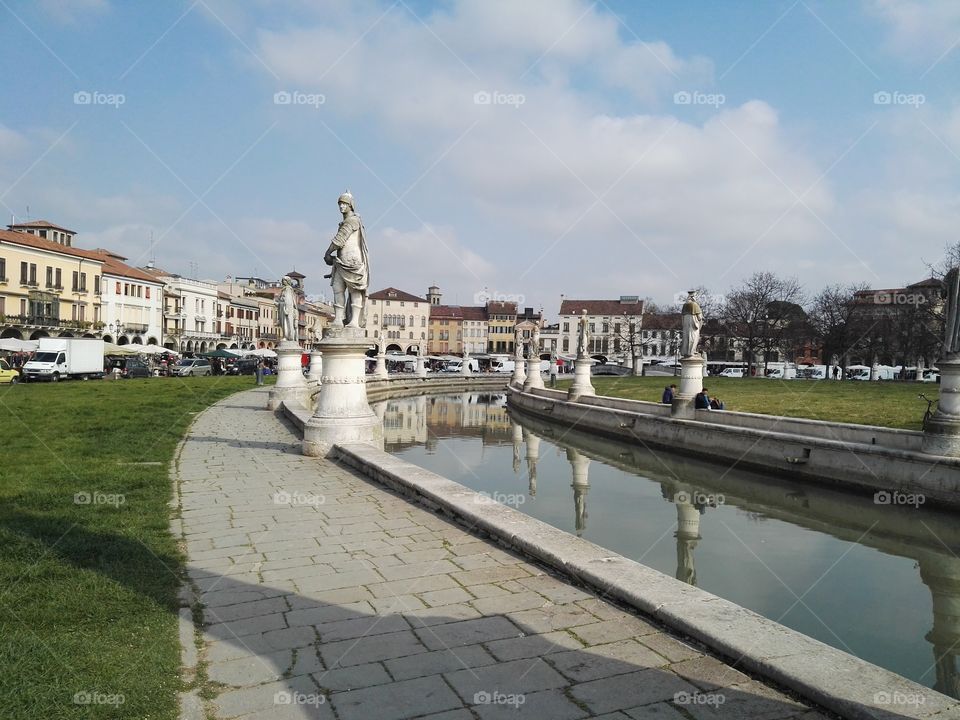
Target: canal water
(876,579)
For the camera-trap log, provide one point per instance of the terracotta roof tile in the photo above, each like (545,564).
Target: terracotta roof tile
(601,307)
(28,240)
(392,293)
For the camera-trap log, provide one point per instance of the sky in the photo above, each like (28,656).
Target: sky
(505,149)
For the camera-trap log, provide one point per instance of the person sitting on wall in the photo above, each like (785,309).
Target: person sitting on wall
(668,393)
(716,404)
(702,400)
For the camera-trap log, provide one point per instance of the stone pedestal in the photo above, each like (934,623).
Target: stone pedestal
(581,378)
(290,381)
(637,366)
(343,414)
(380,371)
(691,383)
(465,370)
(533,456)
(534,379)
(316,366)
(519,374)
(421,370)
(688,535)
(942,434)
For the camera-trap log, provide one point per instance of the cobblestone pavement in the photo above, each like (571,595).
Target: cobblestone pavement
(327,596)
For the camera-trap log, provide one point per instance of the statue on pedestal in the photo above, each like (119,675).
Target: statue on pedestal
(692,322)
(583,340)
(535,342)
(287,310)
(951,339)
(347,256)
(517,344)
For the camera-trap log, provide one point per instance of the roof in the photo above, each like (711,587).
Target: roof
(496,307)
(662,321)
(474,313)
(392,293)
(601,307)
(453,312)
(113,266)
(28,240)
(41,224)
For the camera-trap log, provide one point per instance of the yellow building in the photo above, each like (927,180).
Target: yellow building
(47,287)
(445,334)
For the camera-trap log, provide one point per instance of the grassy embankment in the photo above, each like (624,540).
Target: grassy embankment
(888,404)
(89,571)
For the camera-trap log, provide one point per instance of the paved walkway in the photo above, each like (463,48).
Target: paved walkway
(327,596)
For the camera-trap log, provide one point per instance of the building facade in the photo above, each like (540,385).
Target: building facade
(132,303)
(399,317)
(615,326)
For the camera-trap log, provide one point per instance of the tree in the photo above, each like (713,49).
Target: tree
(832,314)
(760,311)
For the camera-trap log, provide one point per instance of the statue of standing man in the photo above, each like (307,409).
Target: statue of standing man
(347,255)
(951,339)
(287,310)
(692,322)
(583,341)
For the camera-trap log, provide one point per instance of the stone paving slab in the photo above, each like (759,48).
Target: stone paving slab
(326,595)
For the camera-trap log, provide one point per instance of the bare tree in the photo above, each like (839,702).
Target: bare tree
(832,314)
(760,311)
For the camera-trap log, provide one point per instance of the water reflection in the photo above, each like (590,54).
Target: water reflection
(798,533)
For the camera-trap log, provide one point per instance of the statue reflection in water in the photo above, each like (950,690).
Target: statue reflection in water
(689,509)
(581,484)
(533,455)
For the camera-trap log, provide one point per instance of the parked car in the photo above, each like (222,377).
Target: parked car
(732,372)
(247,366)
(192,366)
(8,374)
(134,367)
(607,369)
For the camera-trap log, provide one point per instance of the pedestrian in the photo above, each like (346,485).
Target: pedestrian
(836,372)
(668,393)
(716,404)
(259,371)
(702,400)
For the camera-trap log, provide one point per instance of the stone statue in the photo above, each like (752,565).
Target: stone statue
(535,342)
(583,341)
(517,344)
(347,255)
(692,322)
(420,349)
(951,339)
(287,310)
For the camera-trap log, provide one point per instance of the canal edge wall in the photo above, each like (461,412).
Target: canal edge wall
(855,456)
(834,680)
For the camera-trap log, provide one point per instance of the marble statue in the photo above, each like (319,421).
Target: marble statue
(287,310)
(347,256)
(583,340)
(692,322)
(951,339)
(535,342)
(517,344)
(420,349)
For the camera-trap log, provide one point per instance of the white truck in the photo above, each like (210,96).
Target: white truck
(61,358)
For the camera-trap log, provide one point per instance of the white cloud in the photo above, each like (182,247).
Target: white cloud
(70,11)
(924,29)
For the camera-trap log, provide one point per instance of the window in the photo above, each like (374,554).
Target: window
(33,274)
(423,321)
(24,277)
(49,276)
(606,327)
(411,321)
(83,282)
(401,303)
(76,281)
(3,271)
(566,327)
(148,293)
(96,282)
(616,328)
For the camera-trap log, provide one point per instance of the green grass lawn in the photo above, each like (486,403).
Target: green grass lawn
(888,404)
(88,592)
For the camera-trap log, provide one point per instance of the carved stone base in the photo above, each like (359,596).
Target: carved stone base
(942,434)
(380,371)
(421,371)
(343,413)
(691,383)
(465,370)
(316,366)
(581,378)
(519,374)
(534,379)
(290,381)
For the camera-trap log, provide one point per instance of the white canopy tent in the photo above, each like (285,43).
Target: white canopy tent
(261,352)
(15,345)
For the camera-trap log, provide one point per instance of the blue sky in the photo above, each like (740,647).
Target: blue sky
(586,173)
